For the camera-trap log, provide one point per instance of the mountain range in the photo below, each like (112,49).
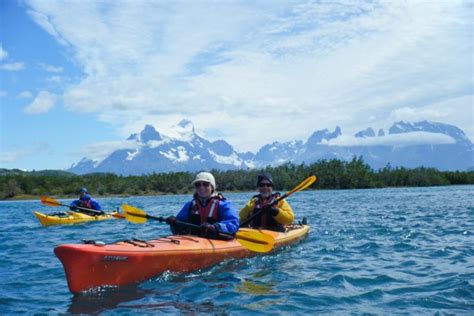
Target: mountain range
(428,144)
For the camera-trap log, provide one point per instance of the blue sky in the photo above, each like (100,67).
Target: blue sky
(77,79)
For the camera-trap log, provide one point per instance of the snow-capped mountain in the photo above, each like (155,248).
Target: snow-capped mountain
(410,145)
(428,144)
(431,127)
(149,151)
(278,153)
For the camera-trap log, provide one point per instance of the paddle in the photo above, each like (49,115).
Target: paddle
(303,185)
(253,240)
(53,202)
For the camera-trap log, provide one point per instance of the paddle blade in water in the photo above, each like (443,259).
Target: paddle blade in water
(134,214)
(255,241)
(50,201)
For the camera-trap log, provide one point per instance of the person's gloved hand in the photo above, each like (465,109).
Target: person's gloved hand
(209,228)
(72,207)
(171,220)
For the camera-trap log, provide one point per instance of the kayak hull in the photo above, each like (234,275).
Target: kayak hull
(73,218)
(88,266)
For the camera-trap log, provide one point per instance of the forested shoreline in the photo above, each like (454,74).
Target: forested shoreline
(332,174)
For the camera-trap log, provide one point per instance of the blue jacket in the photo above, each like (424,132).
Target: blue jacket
(228,223)
(87,202)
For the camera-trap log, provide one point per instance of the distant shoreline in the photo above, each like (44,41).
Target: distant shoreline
(26,197)
(29,197)
(331,174)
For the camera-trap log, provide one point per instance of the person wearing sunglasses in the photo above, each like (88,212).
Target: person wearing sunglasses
(208,209)
(271,216)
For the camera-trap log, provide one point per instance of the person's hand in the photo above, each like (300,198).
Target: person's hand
(171,220)
(72,207)
(209,228)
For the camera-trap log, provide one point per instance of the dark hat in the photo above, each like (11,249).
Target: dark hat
(264,176)
(82,190)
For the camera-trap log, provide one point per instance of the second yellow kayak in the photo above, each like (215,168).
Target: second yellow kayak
(68,217)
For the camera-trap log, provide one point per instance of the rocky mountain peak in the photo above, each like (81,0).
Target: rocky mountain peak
(318,136)
(368,132)
(149,133)
(430,127)
(186,125)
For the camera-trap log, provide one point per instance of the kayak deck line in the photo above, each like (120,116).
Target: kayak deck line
(170,251)
(89,266)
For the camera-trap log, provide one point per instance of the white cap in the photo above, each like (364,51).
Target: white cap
(205,177)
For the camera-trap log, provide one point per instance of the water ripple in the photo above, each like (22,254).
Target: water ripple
(385,251)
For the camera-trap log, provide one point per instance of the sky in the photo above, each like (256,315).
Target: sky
(90,73)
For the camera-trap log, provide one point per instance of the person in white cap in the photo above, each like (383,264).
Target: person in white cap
(208,209)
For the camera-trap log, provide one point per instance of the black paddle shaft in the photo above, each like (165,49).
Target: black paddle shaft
(248,220)
(84,209)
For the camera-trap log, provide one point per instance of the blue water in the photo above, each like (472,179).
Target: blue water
(383,251)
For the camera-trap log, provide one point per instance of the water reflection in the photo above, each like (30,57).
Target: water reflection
(103,299)
(207,307)
(257,284)
(254,288)
(132,299)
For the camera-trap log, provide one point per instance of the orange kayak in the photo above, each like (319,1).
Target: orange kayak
(88,266)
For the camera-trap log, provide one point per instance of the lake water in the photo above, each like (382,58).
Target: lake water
(382,251)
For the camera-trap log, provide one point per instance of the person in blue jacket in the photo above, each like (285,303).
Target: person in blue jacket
(85,200)
(208,209)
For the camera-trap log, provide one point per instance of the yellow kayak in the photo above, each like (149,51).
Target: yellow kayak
(68,217)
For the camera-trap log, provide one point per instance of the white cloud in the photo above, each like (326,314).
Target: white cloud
(43,103)
(15,155)
(3,53)
(415,114)
(100,150)
(17,66)
(55,79)
(405,139)
(3,93)
(44,21)
(50,68)
(25,95)
(285,67)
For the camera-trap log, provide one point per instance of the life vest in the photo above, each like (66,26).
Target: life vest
(209,214)
(85,203)
(264,219)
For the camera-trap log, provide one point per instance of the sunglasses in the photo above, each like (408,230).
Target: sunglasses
(265,185)
(198,184)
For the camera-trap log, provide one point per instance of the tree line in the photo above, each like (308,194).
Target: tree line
(332,174)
